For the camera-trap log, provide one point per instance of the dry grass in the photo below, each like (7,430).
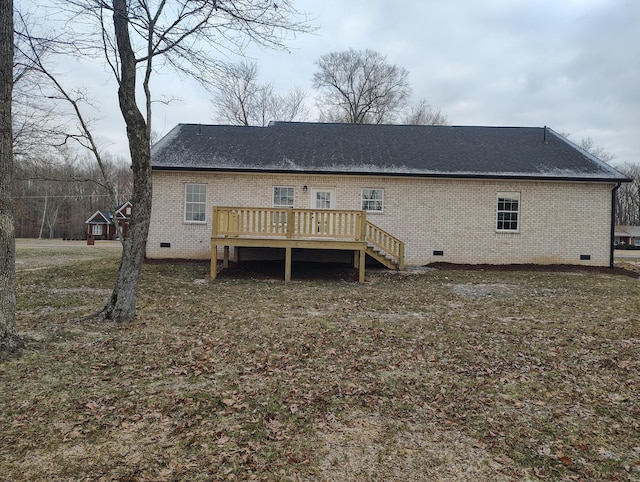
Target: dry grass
(442,375)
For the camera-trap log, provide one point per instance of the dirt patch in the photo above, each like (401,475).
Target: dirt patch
(477,290)
(367,448)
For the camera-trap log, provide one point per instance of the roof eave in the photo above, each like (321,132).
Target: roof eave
(439,175)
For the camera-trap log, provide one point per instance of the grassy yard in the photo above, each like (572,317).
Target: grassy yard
(440,375)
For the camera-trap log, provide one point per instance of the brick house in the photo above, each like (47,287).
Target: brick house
(102,226)
(470,195)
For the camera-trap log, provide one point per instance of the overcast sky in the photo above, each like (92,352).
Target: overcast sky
(573,65)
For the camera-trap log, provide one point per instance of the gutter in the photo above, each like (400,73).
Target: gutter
(613,223)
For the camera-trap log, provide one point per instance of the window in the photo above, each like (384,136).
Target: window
(372,200)
(97,230)
(508,214)
(195,205)
(282,198)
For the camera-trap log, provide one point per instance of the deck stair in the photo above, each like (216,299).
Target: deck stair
(384,247)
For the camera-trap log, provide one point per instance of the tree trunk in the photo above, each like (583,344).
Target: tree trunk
(53,219)
(9,339)
(122,304)
(44,213)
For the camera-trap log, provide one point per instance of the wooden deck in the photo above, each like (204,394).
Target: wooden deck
(303,228)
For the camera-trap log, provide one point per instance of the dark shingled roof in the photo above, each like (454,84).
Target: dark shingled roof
(397,150)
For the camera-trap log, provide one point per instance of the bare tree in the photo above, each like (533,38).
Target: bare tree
(589,145)
(137,36)
(235,93)
(240,98)
(600,152)
(291,106)
(360,87)
(628,196)
(423,113)
(9,339)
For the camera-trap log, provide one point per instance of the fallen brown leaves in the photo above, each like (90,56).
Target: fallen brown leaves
(443,375)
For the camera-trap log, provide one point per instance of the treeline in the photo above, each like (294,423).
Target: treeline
(56,194)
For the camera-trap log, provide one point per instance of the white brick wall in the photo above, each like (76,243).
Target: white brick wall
(559,221)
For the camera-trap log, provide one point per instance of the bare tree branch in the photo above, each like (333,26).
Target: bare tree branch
(240,99)
(423,113)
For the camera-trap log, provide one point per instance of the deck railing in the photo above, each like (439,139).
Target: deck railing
(289,223)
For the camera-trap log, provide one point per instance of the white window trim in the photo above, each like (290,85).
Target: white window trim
(96,230)
(193,221)
(293,198)
(512,195)
(372,211)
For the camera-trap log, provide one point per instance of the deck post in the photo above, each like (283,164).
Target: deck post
(356,259)
(287,264)
(214,261)
(361,235)
(401,256)
(225,257)
(214,222)
(361,264)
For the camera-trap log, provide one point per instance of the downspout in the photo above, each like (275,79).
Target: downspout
(613,222)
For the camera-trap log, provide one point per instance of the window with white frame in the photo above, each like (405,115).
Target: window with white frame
(195,203)
(282,198)
(97,230)
(372,200)
(508,212)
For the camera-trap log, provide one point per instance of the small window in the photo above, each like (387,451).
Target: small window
(282,198)
(372,200)
(508,212)
(195,205)
(97,230)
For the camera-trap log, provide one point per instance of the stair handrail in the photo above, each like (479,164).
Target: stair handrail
(386,242)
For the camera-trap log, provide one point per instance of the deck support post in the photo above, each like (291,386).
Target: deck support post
(287,264)
(356,259)
(214,261)
(361,264)
(225,257)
